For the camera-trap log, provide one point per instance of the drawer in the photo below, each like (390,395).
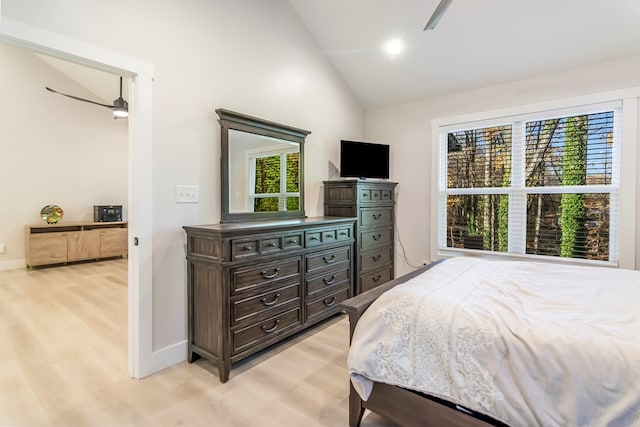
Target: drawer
(376,217)
(376,195)
(328,303)
(327,282)
(375,259)
(312,238)
(246,278)
(386,195)
(269,245)
(365,195)
(265,304)
(336,257)
(373,238)
(266,330)
(328,236)
(344,233)
(375,278)
(241,249)
(292,241)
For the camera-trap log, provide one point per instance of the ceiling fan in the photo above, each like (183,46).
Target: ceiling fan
(437,14)
(120,107)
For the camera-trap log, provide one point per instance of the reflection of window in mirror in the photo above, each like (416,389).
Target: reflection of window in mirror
(265,173)
(274,179)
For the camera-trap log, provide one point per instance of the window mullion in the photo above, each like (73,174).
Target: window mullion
(518,197)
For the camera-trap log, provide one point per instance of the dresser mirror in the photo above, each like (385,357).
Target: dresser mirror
(262,166)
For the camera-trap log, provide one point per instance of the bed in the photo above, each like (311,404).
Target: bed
(472,342)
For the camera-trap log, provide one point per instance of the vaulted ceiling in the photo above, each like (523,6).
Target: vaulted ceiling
(476,43)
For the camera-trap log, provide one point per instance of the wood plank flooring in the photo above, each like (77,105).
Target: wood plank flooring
(63,362)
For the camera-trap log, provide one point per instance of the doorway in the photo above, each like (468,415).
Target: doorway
(140,352)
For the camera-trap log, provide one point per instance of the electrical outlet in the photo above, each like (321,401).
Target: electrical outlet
(2,249)
(187,194)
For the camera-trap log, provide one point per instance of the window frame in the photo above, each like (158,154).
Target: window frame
(283,194)
(623,243)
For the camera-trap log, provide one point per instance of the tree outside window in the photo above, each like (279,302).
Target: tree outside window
(539,187)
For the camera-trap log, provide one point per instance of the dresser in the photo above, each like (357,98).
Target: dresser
(252,284)
(373,203)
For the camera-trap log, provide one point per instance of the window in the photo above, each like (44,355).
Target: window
(273,183)
(533,184)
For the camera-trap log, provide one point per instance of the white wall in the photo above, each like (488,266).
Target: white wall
(407,128)
(251,56)
(54,150)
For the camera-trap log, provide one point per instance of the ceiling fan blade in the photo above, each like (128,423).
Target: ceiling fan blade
(79,99)
(437,14)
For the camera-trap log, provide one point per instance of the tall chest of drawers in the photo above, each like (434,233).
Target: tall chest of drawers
(250,285)
(373,203)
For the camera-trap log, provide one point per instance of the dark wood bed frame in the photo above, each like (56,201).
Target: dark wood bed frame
(402,406)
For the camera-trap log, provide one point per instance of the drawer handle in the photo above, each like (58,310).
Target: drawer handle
(377,216)
(293,241)
(247,248)
(329,281)
(330,259)
(329,302)
(268,303)
(273,328)
(271,245)
(376,258)
(272,275)
(328,236)
(377,278)
(314,238)
(344,233)
(376,236)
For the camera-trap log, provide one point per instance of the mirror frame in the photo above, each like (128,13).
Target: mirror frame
(242,122)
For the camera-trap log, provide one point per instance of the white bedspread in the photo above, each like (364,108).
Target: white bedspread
(529,344)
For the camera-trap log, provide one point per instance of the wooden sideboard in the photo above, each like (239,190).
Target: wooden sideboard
(373,203)
(60,243)
(252,284)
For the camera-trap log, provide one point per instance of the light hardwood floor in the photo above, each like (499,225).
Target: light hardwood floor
(63,362)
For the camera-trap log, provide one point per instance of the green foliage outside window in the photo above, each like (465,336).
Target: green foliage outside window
(268,182)
(574,172)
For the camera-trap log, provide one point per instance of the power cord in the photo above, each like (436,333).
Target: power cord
(404,252)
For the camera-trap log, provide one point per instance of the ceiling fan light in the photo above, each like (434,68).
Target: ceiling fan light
(120,108)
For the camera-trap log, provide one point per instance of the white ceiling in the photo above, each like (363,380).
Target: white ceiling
(477,42)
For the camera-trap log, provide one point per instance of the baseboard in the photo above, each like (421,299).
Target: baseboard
(169,356)
(13,264)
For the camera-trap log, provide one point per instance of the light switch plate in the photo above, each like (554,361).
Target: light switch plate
(187,194)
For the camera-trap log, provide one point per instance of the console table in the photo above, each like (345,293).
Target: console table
(252,284)
(61,243)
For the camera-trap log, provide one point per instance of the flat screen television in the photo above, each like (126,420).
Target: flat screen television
(364,160)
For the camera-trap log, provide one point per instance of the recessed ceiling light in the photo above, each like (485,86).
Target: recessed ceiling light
(393,47)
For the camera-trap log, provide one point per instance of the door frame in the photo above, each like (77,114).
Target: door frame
(140,212)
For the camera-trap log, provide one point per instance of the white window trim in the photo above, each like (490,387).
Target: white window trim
(250,161)
(628,178)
